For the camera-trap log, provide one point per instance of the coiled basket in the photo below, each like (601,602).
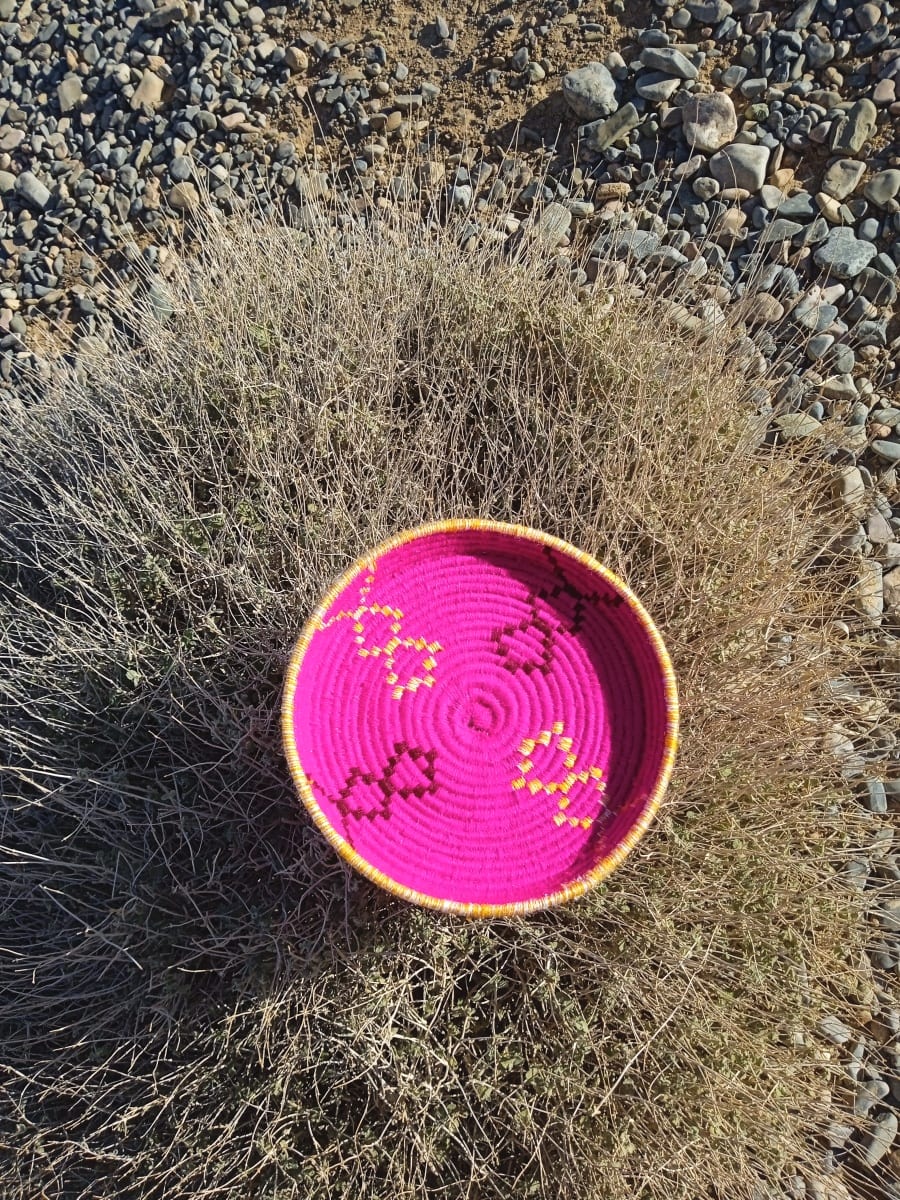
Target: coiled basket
(480,718)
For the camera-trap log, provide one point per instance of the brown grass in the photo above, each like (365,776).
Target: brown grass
(197,998)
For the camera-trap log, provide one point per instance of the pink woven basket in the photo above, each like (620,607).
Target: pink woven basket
(480,718)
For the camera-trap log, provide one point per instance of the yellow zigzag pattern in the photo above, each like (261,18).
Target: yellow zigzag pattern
(389,650)
(560,787)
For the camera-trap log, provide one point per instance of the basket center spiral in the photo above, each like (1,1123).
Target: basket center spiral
(479,716)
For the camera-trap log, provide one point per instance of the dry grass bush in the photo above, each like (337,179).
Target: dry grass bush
(198,999)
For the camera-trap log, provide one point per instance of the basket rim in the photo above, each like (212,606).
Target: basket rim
(652,801)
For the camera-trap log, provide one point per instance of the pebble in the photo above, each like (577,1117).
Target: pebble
(883,188)
(868,1093)
(889,451)
(891,590)
(889,914)
(837,1135)
(880,1140)
(169,14)
(590,92)
(148,92)
(553,224)
(709,12)
(779,230)
(601,135)
(32,191)
(869,590)
(867,16)
(795,425)
(709,122)
(636,244)
(851,487)
(814,314)
(655,86)
(878,530)
(842,177)
(765,308)
(853,130)
(843,255)
(184,197)
(835,1030)
(69,93)
(740,165)
(670,61)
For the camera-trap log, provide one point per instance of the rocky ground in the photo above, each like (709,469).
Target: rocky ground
(745,153)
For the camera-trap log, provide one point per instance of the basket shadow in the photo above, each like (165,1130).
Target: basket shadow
(171,869)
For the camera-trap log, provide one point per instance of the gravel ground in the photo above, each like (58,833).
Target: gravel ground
(740,151)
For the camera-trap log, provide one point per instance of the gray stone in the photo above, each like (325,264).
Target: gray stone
(819,52)
(600,135)
(710,12)
(843,254)
(770,197)
(705,188)
(740,165)
(296,59)
(870,589)
(181,168)
(851,486)
(667,258)
(779,230)
(842,177)
(881,1138)
(7,182)
(709,122)
(878,288)
(184,197)
(840,387)
(867,16)
(461,196)
(734,76)
(590,92)
(764,308)
(669,60)
(632,243)
(553,224)
(655,86)
(877,796)
(883,188)
(814,314)
(878,529)
(797,425)
(851,132)
(889,914)
(11,139)
(868,1093)
(169,14)
(889,451)
(69,93)
(148,92)
(160,301)
(800,206)
(835,1030)
(817,345)
(837,1135)
(857,872)
(34,193)
(871,333)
